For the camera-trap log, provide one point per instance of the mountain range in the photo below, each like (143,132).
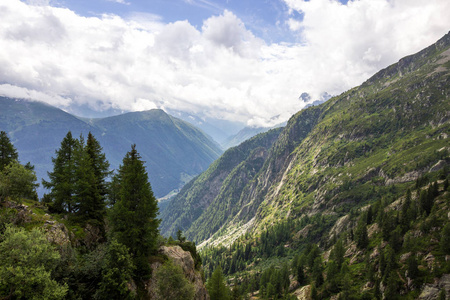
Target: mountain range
(349,200)
(175,151)
(342,154)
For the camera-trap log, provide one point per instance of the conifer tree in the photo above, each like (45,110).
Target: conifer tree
(62,179)
(445,239)
(301,277)
(316,272)
(413,270)
(99,164)
(314,294)
(133,217)
(216,286)
(90,186)
(405,217)
(88,204)
(117,272)
(426,201)
(8,153)
(337,254)
(362,239)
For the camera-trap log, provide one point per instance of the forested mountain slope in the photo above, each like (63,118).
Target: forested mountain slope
(219,187)
(341,154)
(352,201)
(174,150)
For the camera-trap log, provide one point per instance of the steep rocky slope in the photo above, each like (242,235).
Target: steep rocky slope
(353,199)
(218,187)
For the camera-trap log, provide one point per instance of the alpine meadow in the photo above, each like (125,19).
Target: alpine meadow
(348,198)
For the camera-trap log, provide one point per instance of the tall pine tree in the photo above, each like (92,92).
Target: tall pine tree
(99,164)
(8,153)
(90,186)
(62,179)
(216,286)
(134,216)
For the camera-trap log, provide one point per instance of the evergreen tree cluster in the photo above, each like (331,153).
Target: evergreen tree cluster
(78,181)
(79,190)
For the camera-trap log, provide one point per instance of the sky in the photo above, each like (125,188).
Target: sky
(239,60)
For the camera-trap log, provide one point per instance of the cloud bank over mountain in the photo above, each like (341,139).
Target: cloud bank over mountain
(220,70)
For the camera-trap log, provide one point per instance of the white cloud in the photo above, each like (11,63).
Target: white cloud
(355,40)
(229,32)
(222,70)
(12,91)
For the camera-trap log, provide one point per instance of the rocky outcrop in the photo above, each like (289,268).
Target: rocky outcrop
(303,293)
(411,176)
(57,233)
(429,293)
(432,291)
(23,214)
(340,226)
(186,262)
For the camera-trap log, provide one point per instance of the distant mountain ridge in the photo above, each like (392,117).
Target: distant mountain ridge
(245,134)
(218,129)
(334,156)
(174,150)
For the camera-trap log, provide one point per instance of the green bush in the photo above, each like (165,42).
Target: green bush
(27,260)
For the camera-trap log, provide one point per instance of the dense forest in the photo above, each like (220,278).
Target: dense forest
(393,248)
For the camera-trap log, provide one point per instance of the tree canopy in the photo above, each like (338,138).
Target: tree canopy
(17,181)
(78,181)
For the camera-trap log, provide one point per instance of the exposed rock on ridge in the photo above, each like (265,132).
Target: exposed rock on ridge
(186,262)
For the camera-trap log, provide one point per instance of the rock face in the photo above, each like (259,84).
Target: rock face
(303,293)
(431,291)
(186,262)
(57,233)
